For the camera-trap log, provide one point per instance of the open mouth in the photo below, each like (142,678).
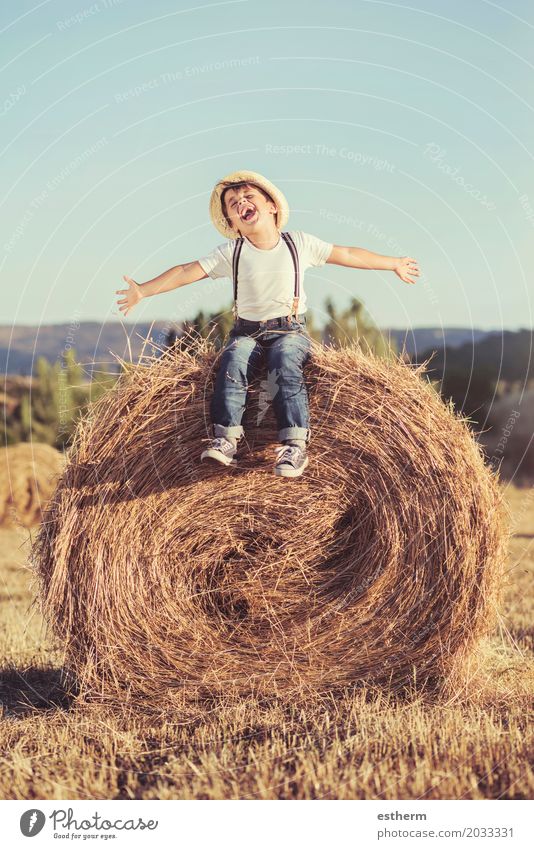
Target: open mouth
(247,213)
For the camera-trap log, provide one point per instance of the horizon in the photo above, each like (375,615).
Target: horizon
(411,327)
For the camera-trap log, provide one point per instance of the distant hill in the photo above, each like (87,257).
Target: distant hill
(506,355)
(20,345)
(474,376)
(417,339)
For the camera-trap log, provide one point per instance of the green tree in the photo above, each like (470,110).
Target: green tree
(59,395)
(214,325)
(354,324)
(45,402)
(341,327)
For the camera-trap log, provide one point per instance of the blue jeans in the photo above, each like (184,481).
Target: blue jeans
(286,347)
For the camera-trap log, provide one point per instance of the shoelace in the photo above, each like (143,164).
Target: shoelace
(288,454)
(220,443)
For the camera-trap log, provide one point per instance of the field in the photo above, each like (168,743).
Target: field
(362,745)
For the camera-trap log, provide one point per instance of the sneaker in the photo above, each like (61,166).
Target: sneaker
(222,450)
(291,460)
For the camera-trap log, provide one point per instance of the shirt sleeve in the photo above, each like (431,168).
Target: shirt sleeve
(314,250)
(219,262)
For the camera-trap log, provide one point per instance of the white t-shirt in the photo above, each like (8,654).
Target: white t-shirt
(266,278)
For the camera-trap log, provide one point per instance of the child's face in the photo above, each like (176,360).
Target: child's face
(247,209)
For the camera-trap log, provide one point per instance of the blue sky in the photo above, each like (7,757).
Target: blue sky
(403,129)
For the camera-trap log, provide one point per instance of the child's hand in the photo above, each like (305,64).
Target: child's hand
(133,295)
(407,266)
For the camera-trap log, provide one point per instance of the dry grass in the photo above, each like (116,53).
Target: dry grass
(382,565)
(359,746)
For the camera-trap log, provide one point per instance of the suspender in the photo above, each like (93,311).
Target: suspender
(294,256)
(235,264)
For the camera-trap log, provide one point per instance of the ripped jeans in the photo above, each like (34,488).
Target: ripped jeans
(286,347)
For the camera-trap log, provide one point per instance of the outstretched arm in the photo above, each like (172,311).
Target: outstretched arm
(178,275)
(403,266)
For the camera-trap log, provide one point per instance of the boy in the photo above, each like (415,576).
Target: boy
(266,265)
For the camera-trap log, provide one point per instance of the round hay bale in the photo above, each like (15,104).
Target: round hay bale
(381,564)
(29,472)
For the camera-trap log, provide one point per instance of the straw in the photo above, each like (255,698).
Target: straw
(382,564)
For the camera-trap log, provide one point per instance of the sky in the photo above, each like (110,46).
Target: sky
(404,129)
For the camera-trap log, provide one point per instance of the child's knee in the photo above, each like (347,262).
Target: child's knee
(237,377)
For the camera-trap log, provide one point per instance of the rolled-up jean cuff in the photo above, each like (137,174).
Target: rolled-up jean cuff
(294,433)
(236,431)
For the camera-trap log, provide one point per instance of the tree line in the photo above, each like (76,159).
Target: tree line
(47,407)
(474,376)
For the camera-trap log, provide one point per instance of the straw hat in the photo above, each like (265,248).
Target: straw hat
(216,211)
